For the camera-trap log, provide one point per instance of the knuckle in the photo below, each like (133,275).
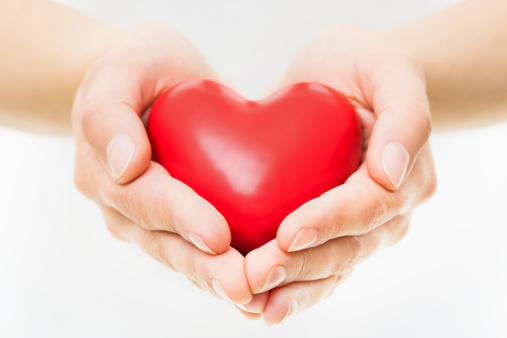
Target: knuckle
(319,262)
(378,208)
(425,121)
(355,248)
(378,212)
(155,247)
(419,117)
(305,265)
(129,200)
(157,250)
(338,226)
(195,271)
(126,198)
(92,111)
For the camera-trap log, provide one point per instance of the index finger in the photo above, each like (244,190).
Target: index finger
(354,208)
(156,201)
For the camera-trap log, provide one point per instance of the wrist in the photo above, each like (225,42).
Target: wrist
(88,42)
(48,60)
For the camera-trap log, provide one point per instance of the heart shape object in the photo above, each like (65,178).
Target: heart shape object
(255,161)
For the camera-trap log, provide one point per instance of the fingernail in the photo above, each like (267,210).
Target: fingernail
(305,238)
(119,153)
(256,305)
(275,277)
(243,307)
(292,310)
(395,158)
(219,290)
(197,241)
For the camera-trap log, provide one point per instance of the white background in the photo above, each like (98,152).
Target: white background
(63,275)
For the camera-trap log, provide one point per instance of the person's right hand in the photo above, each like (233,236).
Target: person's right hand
(140,201)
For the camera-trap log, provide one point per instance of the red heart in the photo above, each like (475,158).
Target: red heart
(255,161)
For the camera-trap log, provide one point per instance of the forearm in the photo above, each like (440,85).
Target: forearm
(46,50)
(463,51)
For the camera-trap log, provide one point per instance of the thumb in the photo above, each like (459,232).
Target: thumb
(402,128)
(111,124)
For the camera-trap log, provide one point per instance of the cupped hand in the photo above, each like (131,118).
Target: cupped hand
(319,244)
(140,201)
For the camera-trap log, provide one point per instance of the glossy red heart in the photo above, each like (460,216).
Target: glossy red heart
(255,161)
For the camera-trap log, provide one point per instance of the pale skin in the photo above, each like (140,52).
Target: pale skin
(385,75)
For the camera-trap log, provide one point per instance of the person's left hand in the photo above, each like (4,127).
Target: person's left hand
(319,244)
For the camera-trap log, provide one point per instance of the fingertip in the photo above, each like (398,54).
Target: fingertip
(197,220)
(249,315)
(299,230)
(290,226)
(305,238)
(391,167)
(261,276)
(198,242)
(395,159)
(278,309)
(128,157)
(288,230)
(283,238)
(254,271)
(213,232)
(390,164)
(397,138)
(118,137)
(229,270)
(258,303)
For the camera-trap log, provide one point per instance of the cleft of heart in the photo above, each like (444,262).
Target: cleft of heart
(255,161)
